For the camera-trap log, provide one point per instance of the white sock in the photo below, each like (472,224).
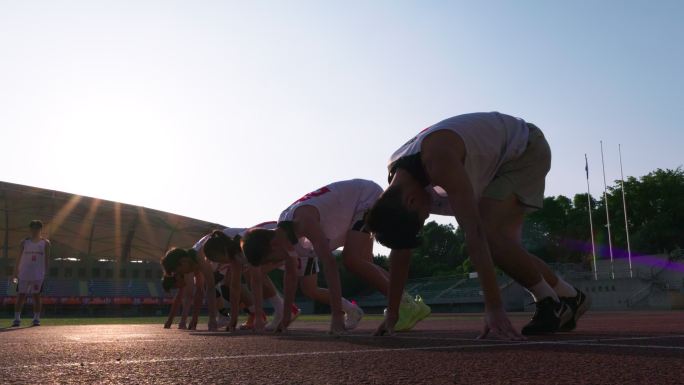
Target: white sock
(277,303)
(347,306)
(36,316)
(17,316)
(542,290)
(564,289)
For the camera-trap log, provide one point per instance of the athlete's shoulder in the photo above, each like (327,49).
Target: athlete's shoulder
(370,188)
(200,243)
(268,225)
(47,241)
(232,231)
(442,140)
(357,183)
(365,182)
(467,121)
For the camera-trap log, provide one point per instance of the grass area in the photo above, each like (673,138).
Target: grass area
(48,321)
(68,321)
(97,321)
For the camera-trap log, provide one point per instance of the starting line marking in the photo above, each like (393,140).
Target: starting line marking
(597,339)
(586,343)
(78,340)
(268,355)
(598,344)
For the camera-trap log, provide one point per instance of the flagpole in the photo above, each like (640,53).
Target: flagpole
(624,209)
(591,222)
(605,200)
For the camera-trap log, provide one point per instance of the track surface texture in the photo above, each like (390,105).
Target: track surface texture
(606,348)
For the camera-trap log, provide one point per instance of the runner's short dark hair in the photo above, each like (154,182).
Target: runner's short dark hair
(219,243)
(256,245)
(171,260)
(392,224)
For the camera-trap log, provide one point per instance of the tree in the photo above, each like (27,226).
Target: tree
(655,206)
(560,231)
(441,252)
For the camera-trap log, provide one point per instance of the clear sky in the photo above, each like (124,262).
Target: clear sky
(229,111)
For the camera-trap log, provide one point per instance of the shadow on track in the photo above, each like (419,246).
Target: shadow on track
(14,328)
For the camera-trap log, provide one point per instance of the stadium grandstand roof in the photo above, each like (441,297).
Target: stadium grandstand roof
(84,227)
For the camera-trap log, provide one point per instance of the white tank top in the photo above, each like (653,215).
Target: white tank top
(231,233)
(340,206)
(32,264)
(303,249)
(490,139)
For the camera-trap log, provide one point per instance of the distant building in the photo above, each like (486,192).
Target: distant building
(102,251)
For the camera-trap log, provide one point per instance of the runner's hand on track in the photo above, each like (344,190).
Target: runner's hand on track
(281,329)
(337,325)
(259,325)
(232,326)
(497,321)
(387,326)
(212,325)
(193,323)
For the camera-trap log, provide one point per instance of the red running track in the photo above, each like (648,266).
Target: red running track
(607,348)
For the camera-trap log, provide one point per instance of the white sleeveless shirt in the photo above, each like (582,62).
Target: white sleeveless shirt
(490,139)
(32,264)
(340,206)
(303,249)
(231,233)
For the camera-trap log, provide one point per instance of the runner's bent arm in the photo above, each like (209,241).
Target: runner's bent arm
(235,291)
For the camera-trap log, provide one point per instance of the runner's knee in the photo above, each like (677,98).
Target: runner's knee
(308,290)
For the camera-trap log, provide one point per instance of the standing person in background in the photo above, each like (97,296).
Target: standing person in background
(29,271)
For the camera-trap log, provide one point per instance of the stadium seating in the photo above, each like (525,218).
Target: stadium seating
(61,288)
(437,290)
(103,288)
(4,286)
(76,292)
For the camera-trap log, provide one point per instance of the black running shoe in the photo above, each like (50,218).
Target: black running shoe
(579,305)
(548,317)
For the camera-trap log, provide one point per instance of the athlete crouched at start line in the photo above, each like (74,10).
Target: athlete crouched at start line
(328,218)
(178,261)
(305,271)
(222,248)
(487,170)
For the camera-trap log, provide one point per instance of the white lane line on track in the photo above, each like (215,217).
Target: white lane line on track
(272,355)
(611,345)
(75,341)
(597,339)
(582,343)
(609,338)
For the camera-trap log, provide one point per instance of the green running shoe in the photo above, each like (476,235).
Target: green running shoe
(407,316)
(423,309)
